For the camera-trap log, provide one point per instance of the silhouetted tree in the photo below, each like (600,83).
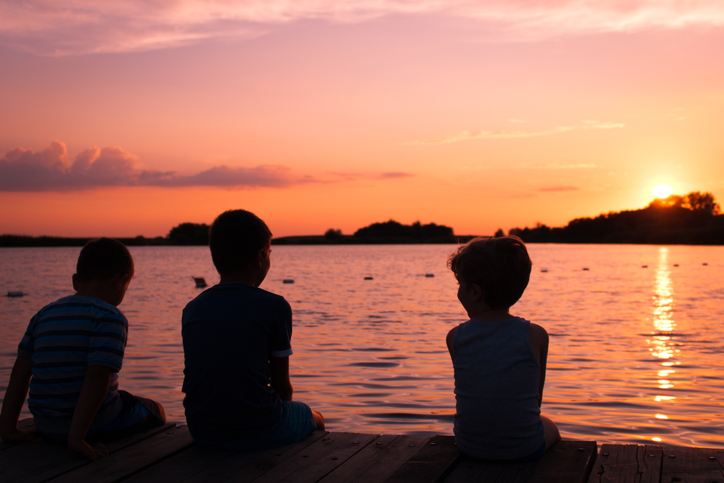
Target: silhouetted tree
(690,219)
(332,234)
(189,234)
(416,231)
(703,202)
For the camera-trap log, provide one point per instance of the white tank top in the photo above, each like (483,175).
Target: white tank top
(496,390)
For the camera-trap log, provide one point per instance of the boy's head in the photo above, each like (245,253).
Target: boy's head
(235,238)
(104,270)
(103,259)
(499,266)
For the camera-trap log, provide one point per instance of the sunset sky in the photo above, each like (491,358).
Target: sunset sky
(127,118)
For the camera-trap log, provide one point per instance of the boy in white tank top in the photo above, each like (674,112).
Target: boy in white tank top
(499,360)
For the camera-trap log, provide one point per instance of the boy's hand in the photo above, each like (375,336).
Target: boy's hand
(94,452)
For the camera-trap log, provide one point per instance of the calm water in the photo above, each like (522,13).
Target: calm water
(635,352)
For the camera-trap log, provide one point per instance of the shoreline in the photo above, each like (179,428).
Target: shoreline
(25,241)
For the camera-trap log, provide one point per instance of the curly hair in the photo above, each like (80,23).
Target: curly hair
(499,266)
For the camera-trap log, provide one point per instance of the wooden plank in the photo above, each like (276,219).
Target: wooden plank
(379,460)
(627,463)
(26,425)
(319,458)
(566,462)
(20,462)
(184,466)
(695,465)
(131,459)
(433,462)
(199,464)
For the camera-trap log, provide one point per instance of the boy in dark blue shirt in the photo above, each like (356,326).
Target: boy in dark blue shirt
(236,340)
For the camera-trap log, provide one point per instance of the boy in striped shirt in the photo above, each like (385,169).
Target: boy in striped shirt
(69,360)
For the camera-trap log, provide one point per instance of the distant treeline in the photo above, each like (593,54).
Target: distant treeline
(694,219)
(57,241)
(187,234)
(388,232)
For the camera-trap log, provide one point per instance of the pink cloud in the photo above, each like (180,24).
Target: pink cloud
(49,170)
(66,27)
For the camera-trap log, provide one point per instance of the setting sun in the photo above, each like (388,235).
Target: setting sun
(662,191)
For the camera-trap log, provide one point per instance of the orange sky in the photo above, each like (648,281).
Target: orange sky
(126,120)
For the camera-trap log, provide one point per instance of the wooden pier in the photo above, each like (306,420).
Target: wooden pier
(167,454)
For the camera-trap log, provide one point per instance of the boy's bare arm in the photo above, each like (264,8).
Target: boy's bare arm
(14,399)
(279,375)
(95,387)
(538,338)
(450,340)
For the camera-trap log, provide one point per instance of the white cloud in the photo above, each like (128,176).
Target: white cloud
(501,134)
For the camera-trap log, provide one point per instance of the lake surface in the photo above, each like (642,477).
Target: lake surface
(636,333)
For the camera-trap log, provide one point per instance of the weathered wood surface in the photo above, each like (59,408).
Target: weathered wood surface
(167,454)
(41,461)
(631,463)
(566,462)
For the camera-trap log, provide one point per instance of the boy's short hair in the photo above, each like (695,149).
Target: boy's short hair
(103,259)
(235,237)
(499,266)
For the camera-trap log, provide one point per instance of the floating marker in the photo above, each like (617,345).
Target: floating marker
(369,278)
(200,282)
(288,280)
(15,293)
(429,275)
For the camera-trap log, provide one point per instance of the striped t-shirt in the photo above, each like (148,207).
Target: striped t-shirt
(62,340)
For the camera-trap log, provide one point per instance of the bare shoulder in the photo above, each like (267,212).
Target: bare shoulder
(450,339)
(538,332)
(538,338)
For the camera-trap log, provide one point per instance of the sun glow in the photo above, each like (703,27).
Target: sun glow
(662,190)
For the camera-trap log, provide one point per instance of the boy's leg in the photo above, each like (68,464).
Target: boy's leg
(138,414)
(318,420)
(551,432)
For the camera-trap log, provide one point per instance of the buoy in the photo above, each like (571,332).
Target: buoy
(369,278)
(200,282)
(429,275)
(15,293)
(288,280)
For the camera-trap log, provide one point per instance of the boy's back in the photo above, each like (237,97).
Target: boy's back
(62,340)
(237,343)
(229,332)
(496,389)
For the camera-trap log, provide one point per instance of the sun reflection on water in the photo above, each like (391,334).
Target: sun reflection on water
(662,340)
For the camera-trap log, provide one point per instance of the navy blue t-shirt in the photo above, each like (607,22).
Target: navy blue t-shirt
(229,333)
